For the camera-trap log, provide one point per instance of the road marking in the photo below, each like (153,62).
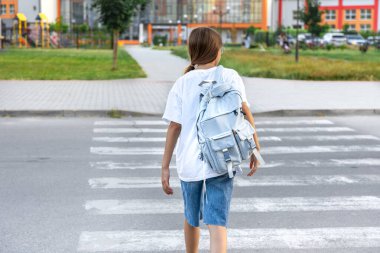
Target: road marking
(320,149)
(130,123)
(241,205)
(257,122)
(259,238)
(278,130)
(364,161)
(328,137)
(155,182)
(161,139)
(268,150)
(110,165)
(262,138)
(131,139)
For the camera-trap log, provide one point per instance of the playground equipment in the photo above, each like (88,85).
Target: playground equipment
(43,30)
(20,24)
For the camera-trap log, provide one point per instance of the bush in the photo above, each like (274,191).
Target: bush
(366,34)
(83,28)
(293,32)
(342,47)
(59,27)
(261,37)
(303,46)
(251,30)
(232,44)
(329,47)
(363,48)
(160,40)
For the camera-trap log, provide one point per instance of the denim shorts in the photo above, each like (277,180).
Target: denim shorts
(213,206)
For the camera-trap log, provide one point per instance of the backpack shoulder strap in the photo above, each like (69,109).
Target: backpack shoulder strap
(219,74)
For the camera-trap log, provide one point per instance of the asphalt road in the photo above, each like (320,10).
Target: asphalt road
(92,185)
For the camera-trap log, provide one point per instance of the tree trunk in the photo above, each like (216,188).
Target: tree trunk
(115,47)
(112,39)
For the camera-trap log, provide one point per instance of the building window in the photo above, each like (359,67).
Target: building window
(365,27)
(350,14)
(3,9)
(332,26)
(330,15)
(296,15)
(351,27)
(12,9)
(365,14)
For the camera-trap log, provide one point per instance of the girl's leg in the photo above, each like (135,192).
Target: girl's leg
(192,235)
(218,239)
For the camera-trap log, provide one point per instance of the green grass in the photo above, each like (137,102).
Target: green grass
(349,54)
(347,64)
(66,64)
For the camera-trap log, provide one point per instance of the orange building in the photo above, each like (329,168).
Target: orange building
(359,16)
(177,18)
(8,9)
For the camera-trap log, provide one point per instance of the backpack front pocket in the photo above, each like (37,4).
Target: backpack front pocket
(224,149)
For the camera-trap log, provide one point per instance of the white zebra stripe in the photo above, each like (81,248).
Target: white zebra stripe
(110,165)
(268,150)
(302,180)
(364,161)
(241,205)
(254,239)
(277,130)
(161,139)
(262,138)
(328,137)
(257,122)
(131,123)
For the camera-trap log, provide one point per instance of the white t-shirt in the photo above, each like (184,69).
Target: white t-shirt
(181,107)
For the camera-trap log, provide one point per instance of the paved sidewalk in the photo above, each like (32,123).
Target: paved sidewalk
(82,98)
(148,96)
(158,64)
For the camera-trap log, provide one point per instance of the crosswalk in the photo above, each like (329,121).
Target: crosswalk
(315,168)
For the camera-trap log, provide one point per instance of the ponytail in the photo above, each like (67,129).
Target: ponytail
(189,68)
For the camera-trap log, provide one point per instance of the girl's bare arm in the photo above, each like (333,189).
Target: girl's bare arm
(249,117)
(174,129)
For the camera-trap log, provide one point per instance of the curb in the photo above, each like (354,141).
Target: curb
(126,113)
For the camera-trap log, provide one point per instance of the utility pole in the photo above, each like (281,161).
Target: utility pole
(298,22)
(1,30)
(187,26)
(1,33)
(221,13)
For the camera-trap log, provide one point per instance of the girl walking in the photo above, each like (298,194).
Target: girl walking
(213,205)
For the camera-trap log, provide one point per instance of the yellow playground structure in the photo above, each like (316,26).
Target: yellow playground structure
(37,34)
(43,27)
(21,25)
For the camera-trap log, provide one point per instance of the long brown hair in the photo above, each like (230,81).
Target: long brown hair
(203,46)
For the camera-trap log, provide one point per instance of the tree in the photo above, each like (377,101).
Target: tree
(116,15)
(312,17)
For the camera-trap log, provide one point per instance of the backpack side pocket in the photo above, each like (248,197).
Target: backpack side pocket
(244,139)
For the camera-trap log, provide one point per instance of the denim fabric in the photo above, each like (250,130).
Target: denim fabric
(214,206)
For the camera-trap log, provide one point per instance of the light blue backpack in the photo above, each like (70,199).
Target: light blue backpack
(224,135)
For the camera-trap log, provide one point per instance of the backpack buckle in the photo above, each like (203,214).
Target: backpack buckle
(226,155)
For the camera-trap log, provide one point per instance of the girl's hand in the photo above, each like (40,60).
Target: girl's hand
(253,165)
(165,175)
